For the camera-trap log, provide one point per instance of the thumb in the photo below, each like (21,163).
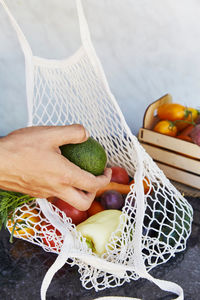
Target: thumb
(69,134)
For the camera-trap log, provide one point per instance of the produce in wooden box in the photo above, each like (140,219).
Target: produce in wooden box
(175,111)
(166,127)
(192,117)
(174,119)
(185,133)
(195,134)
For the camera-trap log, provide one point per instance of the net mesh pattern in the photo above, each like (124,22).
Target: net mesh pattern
(73,92)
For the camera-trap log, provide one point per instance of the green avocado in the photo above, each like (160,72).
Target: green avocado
(89,156)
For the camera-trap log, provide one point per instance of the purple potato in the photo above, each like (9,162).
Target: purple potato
(112,200)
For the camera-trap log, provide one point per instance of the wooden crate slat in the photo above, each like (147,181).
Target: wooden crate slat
(179,159)
(180,175)
(168,142)
(150,119)
(173,159)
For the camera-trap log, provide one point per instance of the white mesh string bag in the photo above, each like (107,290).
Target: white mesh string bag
(156,220)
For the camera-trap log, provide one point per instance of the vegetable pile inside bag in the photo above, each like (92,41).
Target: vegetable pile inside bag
(155,224)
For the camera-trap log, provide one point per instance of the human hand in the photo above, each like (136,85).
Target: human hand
(31,163)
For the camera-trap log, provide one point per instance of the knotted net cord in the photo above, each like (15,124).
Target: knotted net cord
(156,220)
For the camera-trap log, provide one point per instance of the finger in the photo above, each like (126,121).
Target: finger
(53,135)
(84,180)
(70,134)
(77,198)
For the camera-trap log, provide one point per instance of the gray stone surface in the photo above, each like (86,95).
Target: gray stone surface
(23,266)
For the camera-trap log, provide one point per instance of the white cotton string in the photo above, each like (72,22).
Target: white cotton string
(76,91)
(68,250)
(67,246)
(140,212)
(87,42)
(95,261)
(50,215)
(58,264)
(22,39)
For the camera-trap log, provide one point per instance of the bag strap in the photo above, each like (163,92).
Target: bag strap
(69,251)
(28,61)
(21,37)
(84,29)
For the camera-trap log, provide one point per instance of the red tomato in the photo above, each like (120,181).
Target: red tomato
(76,215)
(52,199)
(95,208)
(48,236)
(119,175)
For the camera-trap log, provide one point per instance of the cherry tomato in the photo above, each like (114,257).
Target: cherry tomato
(50,236)
(166,127)
(75,214)
(171,111)
(191,117)
(27,223)
(52,199)
(175,111)
(95,208)
(119,175)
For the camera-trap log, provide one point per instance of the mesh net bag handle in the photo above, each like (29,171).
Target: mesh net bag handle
(75,90)
(28,58)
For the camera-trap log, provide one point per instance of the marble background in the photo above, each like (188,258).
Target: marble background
(147,48)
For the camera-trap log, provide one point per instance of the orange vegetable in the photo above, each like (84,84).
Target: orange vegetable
(172,112)
(166,127)
(26,223)
(119,187)
(184,134)
(191,117)
(185,138)
(187,130)
(95,208)
(145,185)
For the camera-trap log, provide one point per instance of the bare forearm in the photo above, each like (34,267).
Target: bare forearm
(31,163)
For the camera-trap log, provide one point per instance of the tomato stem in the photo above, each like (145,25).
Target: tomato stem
(184,121)
(171,125)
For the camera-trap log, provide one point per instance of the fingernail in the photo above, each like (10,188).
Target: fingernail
(108,172)
(87,133)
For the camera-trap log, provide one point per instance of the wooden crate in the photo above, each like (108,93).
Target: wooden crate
(179,159)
